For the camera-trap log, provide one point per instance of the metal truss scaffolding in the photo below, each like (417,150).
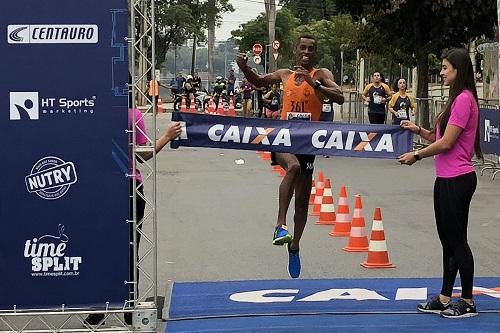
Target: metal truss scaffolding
(141,52)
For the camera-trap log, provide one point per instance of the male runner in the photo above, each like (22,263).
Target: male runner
(303,94)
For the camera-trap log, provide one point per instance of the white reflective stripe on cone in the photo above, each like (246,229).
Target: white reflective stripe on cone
(378,246)
(377,225)
(358,232)
(343,201)
(357,212)
(342,217)
(327,208)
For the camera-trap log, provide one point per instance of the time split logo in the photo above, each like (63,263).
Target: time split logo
(51,177)
(48,255)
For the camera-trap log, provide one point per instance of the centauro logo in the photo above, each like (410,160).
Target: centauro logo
(48,255)
(52,34)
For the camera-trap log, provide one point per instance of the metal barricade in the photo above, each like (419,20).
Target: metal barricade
(355,109)
(490,161)
(423,103)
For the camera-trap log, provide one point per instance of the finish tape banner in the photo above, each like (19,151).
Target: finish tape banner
(63,120)
(293,136)
(489,125)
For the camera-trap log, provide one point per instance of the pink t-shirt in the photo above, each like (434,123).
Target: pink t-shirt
(140,135)
(457,160)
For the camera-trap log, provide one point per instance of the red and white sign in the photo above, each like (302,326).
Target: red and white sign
(257,49)
(275,44)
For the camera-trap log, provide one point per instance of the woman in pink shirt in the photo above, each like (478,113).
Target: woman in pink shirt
(454,142)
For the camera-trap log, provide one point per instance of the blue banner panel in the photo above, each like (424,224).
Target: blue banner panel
(490,131)
(63,116)
(293,136)
(333,296)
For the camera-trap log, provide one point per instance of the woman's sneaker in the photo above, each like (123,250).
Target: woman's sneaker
(434,305)
(460,309)
(281,235)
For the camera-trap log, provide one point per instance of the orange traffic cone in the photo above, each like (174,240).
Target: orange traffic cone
(220,107)
(318,200)
(192,107)
(230,111)
(313,193)
(358,240)
(377,250)
(276,168)
(342,225)
(183,104)
(211,106)
(159,106)
(327,210)
(266,156)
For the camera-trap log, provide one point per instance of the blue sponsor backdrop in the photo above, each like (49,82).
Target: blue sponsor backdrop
(63,115)
(490,125)
(296,136)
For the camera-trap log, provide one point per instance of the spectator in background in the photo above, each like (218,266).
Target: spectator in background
(259,96)
(376,94)
(231,80)
(180,82)
(272,102)
(246,89)
(196,82)
(401,103)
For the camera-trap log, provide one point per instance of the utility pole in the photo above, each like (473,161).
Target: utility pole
(271,25)
(211,40)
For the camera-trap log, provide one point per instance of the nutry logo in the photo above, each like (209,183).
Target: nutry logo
(27,105)
(321,139)
(52,34)
(490,131)
(51,177)
(48,255)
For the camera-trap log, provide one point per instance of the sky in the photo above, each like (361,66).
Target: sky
(245,10)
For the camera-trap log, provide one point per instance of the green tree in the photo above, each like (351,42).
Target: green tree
(340,33)
(411,30)
(310,10)
(175,23)
(255,31)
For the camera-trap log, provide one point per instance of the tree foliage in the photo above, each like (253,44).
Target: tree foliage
(310,10)
(411,31)
(176,21)
(255,31)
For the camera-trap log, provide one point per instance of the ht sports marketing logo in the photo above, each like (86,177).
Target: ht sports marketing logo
(50,178)
(52,34)
(48,255)
(29,105)
(490,131)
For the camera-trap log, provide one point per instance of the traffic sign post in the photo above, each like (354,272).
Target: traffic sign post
(257,49)
(275,44)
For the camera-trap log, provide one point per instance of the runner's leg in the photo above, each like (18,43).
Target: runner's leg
(290,163)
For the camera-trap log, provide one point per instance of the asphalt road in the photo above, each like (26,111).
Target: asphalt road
(216,218)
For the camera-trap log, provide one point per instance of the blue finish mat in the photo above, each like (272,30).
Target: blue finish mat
(343,305)
(346,296)
(361,323)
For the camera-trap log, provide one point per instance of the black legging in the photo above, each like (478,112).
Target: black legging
(452,197)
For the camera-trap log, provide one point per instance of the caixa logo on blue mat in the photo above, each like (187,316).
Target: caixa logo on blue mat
(51,177)
(48,255)
(28,105)
(52,34)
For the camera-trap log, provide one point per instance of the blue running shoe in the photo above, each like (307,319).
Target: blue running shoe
(281,235)
(293,263)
